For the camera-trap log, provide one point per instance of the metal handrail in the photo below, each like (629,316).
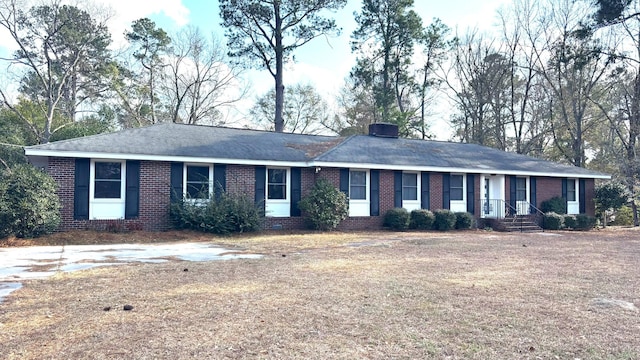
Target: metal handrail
(502,209)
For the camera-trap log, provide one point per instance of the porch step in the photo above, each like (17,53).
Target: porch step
(523,224)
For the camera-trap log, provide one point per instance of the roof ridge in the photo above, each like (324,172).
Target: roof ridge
(255,130)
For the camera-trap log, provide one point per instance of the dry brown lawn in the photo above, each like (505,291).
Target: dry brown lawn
(460,295)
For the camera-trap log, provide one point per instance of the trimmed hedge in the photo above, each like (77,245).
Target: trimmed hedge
(556,205)
(464,220)
(444,220)
(570,221)
(421,219)
(552,221)
(396,219)
(585,222)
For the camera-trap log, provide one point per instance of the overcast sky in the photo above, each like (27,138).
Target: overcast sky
(324,62)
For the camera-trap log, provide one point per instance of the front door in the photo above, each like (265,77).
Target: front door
(492,196)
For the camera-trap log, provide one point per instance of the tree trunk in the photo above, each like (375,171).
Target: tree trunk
(279,121)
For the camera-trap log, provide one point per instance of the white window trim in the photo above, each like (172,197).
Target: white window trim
(413,204)
(93,202)
(184,180)
(459,205)
(277,207)
(361,207)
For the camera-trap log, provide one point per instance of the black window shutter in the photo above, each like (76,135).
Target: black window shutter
(219,179)
(132,192)
(512,191)
(533,194)
(471,193)
(425,197)
(296,190)
(564,194)
(446,191)
(261,182)
(344,181)
(582,197)
(374,205)
(81,189)
(176,181)
(397,189)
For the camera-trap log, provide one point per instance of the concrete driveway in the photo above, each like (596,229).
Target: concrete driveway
(23,263)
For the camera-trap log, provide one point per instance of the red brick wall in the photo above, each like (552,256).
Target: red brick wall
(589,192)
(240,179)
(154,198)
(546,188)
(435,191)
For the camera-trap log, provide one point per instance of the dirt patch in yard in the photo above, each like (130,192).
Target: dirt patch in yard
(468,295)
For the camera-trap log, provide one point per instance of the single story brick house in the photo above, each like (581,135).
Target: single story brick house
(132,175)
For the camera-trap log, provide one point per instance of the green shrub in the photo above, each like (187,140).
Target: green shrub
(624,216)
(396,219)
(556,205)
(444,220)
(325,206)
(225,215)
(421,219)
(569,221)
(464,220)
(29,206)
(552,221)
(585,222)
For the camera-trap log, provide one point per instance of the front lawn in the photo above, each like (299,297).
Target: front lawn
(383,295)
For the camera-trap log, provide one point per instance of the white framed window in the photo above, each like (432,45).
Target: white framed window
(359,183)
(409,186)
(197,181)
(457,198)
(107,184)
(278,192)
(411,191)
(277,184)
(456,182)
(573,201)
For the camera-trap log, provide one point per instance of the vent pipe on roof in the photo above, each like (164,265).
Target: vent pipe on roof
(385,130)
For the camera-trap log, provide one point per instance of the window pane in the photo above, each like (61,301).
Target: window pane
(107,170)
(456,194)
(409,193)
(198,190)
(277,176)
(277,184)
(358,192)
(277,192)
(197,182)
(107,180)
(197,174)
(359,178)
(410,180)
(455,181)
(106,189)
(571,190)
(521,195)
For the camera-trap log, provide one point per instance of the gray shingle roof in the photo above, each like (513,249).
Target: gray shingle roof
(180,140)
(177,140)
(439,154)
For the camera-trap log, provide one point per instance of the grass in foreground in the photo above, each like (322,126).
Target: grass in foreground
(469,295)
